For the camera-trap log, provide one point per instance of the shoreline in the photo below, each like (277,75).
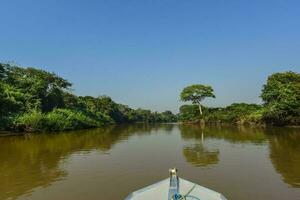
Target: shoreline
(11,133)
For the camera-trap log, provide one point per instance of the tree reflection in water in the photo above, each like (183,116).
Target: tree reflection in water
(285,154)
(31,161)
(198,154)
(283,142)
(38,160)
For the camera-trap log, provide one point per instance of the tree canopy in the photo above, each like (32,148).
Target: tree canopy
(196,93)
(281,96)
(36,100)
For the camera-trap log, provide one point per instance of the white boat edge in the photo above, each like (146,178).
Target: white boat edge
(160,190)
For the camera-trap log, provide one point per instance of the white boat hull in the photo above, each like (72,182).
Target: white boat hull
(160,190)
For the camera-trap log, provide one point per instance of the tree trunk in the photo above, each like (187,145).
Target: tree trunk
(200,109)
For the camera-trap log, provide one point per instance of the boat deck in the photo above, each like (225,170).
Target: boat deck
(159,191)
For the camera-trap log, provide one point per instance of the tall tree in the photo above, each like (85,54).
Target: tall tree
(44,90)
(196,94)
(281,95)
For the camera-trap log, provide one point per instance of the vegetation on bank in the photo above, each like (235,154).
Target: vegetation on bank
(281,105)
(36,100)
(196,94)
(240,113)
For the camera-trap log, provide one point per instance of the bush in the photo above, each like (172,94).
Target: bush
(189,113)
(57,120)
(65,119)
(281,96)
(31,121)
(235,113)
(217,115)
(255,117)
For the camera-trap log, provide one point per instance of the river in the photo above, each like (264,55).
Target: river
(108,163)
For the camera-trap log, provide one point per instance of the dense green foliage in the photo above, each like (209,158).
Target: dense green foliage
(281,96)
(235,113)
(196,94)
(36,100)
(189,113)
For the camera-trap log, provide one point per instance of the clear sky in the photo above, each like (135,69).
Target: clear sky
(143,52)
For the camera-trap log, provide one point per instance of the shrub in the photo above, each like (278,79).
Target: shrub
(189,113)
(281,96)
(65,119)
(255,117)
(29,122)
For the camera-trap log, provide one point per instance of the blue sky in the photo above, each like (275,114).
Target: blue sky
(143,52)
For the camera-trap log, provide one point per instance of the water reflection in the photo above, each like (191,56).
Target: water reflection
(233,134)
(198,155)
(285,154)
(32,161)
(284,146)
(27,162)
(196,152)
(237,134)
(33,165)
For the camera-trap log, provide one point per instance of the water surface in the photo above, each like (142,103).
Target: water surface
(108,163)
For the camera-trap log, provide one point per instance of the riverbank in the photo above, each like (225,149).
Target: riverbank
(280,96)
(237,113)
(34,100)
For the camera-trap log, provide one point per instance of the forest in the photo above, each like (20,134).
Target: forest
(281,104)
(34,100)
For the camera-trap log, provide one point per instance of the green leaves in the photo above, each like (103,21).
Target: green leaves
(35,100)
(196,93)
(281,95)
(235,113)
(39,89)
(189,113)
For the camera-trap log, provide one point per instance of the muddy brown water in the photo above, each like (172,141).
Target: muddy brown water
(109,163)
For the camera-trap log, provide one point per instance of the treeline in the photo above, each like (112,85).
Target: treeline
(36,100)
(281,105)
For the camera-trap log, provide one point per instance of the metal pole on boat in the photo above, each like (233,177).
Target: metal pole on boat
(174,184)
